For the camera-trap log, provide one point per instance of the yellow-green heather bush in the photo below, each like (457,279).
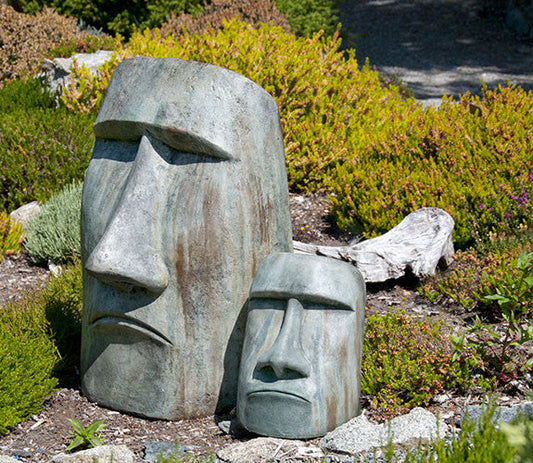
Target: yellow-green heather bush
(380,155)
(11,235)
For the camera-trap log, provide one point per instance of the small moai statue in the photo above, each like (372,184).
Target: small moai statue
(301,359)
(185,194)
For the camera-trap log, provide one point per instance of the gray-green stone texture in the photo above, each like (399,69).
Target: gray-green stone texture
(185,194)
(300,371)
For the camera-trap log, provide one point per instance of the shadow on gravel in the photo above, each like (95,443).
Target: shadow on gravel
(438,46)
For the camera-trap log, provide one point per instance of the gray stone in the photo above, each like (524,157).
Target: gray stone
(501,414)
(155,449)
(57,72)
(185,194)
(100,454)
(25,213)
(420,243)
(269,449)
(301,361)
(359,435)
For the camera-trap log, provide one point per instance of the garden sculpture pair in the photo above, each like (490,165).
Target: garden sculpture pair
(185,200)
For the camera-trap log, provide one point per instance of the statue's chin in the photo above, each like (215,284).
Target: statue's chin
(278,414)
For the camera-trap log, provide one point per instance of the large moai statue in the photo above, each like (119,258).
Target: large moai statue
(301,360)
(185,194)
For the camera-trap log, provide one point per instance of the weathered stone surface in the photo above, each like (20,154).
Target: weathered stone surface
(421,242)
(100,454)
(25,213)
(359,435)
(501,415)
(57,72)
(301,361)
(185,194)
(155,449)
(269,449)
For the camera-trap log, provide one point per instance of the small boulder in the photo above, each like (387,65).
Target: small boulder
(25,213)
(269,449)
(501,414)
(360,435)
(100,454)
(57,71)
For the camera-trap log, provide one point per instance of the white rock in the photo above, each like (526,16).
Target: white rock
(267,449)
(7,459)
(421,242)
(100,454)
(25,213)
(359,435)
(57,71)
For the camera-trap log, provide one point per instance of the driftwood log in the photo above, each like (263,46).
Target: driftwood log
(418,244)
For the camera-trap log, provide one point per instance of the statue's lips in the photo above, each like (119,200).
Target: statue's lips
(130,323)
(277,392)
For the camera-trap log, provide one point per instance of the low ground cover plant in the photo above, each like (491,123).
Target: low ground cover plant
(40,339)
(42,148)
(407,360)
(27,359)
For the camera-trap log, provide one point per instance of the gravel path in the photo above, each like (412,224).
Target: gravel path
(438,46)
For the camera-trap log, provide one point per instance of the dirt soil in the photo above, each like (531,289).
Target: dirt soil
(48,432)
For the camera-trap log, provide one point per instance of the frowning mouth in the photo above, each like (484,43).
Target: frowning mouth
(274,393)
(132,324)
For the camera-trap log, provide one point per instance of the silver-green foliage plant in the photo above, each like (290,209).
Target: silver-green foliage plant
(54,235)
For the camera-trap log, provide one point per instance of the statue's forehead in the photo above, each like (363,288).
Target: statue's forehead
(193,107)
(310,278)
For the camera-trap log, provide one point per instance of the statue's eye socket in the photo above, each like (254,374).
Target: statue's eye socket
(281,304)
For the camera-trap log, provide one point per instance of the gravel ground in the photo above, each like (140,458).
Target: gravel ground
(438,46)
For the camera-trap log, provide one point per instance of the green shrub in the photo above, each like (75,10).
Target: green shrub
(471,158)
(309,16)
(27,358)
(475,271)
(406,361)
(62,305)
(214,13)
(25,39)
(380,155)
(114,16)
(54,234)
(25,94)
(11,235)
(41,148)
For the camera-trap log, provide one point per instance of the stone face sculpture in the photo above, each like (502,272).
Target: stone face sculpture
(185,194)
(301,359)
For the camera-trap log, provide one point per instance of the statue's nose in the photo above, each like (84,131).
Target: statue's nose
(286,357)
(128,255)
